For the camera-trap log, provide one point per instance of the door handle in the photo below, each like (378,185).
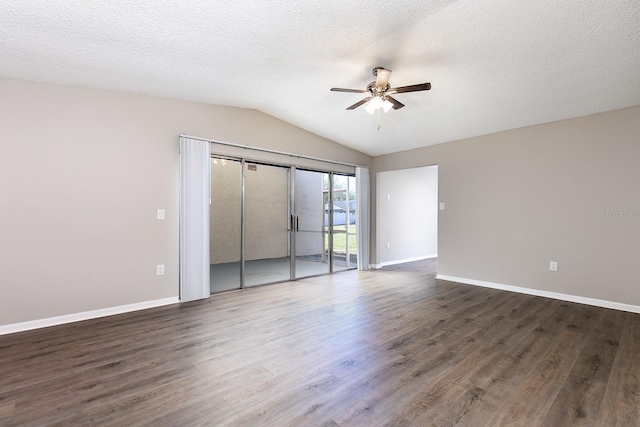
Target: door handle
(297,223)
(290,222)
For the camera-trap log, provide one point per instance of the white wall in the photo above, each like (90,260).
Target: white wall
(564,191)
(82,173)
(407,219)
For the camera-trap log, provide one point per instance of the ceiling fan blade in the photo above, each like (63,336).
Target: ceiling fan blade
(382,77)
(339,89)
(411,88)
(396,104)
(359,103)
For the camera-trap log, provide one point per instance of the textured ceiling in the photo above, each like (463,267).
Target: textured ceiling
(493,65)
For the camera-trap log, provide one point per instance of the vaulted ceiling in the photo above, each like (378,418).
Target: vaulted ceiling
(493,65)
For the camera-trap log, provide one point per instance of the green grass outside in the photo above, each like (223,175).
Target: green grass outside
(340,237)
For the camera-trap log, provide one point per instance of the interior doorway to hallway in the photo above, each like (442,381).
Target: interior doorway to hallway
(407,212)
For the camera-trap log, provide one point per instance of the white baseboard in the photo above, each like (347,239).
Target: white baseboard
(85,315)
(547,294)
(402,261)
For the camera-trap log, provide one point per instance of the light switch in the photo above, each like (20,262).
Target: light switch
(160,214)
(441,206)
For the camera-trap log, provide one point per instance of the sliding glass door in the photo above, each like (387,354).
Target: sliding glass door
(266,216)
(271,223)
(311,232)
(344,247)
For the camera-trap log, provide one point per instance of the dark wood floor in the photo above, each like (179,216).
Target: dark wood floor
(390,347)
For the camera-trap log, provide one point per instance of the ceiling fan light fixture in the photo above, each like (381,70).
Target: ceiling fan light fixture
(374,104)
(377,103)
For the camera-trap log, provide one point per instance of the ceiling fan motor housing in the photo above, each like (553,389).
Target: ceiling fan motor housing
(376,91)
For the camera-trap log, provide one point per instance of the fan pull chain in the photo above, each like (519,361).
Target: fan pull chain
(379,109)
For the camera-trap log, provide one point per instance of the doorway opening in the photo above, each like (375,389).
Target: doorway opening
(407,212)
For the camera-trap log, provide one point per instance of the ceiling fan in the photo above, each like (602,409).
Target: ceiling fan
(380,91)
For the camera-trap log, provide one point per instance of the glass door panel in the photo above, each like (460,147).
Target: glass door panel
(351,241)
(344,249)
(225,224)
(311,232)
(267,216)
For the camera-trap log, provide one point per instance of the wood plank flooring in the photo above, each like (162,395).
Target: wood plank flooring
(392,347)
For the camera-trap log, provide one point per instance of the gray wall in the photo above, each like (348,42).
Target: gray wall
(82,173)
(407,214)
(564,191)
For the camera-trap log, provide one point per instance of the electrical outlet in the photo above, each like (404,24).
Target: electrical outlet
(388,245)
(441,206)
(553,266)
(160,214)
(159,270)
